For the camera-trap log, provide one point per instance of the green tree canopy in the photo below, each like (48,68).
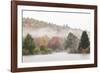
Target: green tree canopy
(28,43)
(84,41)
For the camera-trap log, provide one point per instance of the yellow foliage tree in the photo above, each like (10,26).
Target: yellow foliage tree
(43,41)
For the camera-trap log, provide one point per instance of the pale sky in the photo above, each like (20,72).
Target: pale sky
(74,19)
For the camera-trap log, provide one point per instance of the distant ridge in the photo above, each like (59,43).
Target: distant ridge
(39,28)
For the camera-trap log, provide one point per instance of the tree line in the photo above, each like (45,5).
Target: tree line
(44,45)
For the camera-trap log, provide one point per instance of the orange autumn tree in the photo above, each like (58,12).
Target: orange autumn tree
(43,41)
(55,43)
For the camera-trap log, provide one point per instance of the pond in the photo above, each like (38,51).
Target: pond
(57,56)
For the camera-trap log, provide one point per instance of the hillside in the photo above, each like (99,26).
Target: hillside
(39,28)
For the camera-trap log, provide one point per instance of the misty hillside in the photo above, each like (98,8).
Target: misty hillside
(39,28)
(30,22)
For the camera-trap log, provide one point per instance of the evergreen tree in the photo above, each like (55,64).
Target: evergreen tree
(29,44)
(71,41)
(84,41)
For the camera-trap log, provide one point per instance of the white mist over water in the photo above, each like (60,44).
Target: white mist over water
(60,56)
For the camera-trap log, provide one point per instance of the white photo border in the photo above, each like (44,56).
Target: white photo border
(20,64)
